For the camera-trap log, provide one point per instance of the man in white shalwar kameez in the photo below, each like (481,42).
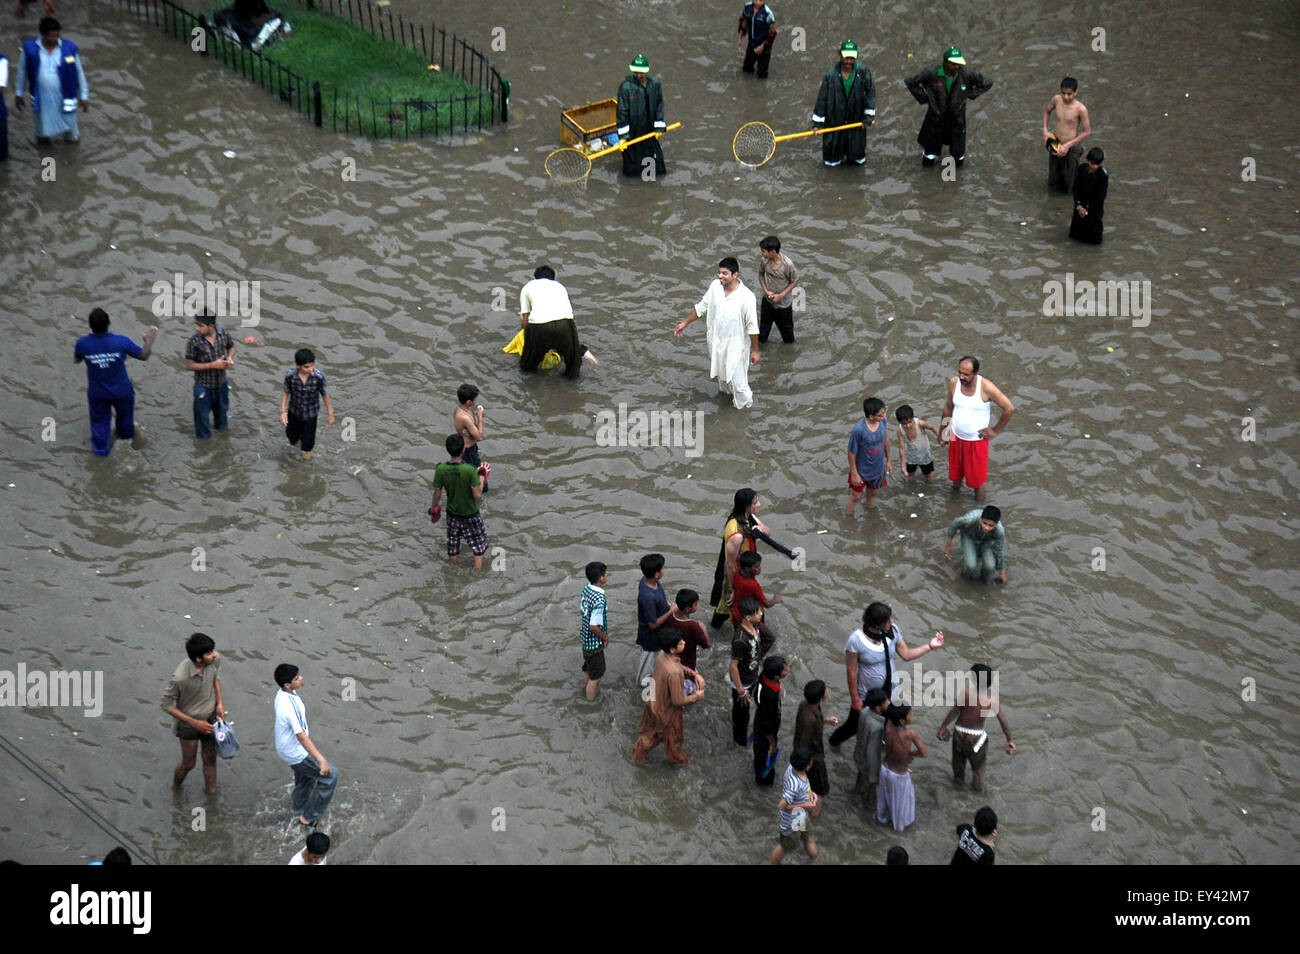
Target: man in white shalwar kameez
(730,314)
(51,70)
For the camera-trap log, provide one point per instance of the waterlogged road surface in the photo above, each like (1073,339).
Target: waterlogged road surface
(1151,701)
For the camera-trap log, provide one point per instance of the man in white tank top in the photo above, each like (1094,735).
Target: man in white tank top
(966,419)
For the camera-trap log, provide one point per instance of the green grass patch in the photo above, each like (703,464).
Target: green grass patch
(370,84)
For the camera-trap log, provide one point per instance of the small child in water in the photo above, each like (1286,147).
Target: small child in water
(913,445)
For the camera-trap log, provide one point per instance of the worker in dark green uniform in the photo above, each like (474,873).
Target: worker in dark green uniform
(945,89)
(847,96)
(641,111)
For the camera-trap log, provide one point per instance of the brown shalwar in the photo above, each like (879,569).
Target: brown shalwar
(662,719)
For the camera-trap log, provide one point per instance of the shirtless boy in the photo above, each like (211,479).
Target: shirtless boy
(1072,127)
(467,421)
(896,798)
(976,701)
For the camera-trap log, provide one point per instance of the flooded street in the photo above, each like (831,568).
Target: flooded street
(1159,690)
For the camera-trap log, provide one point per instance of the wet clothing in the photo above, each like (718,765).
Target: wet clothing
(651,604)
(662,718)
(304,406)
(973,747)
(778,278)
(550,326)
(759,30)
(720,594)
(202,351)
(470,529)
(839,102)
(641,110)
(1089,193)
(1061,170)
(970,850)
(945,98)
(916,450)
(976,544)
(729,320)
(746,584)
(193,692)
(794,791)
(808,727)
(301,429)
(895,799)
(108,387)
(695,635)
(593,614)
(458,479)
(304,396)
(55,81)
(767,724)
(868,450)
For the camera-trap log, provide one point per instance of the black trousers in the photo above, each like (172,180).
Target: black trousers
(301,429)
(761,775)
(761,61)
(846,729)
(783,318)
(1061,170)
(739,718)
(558,336)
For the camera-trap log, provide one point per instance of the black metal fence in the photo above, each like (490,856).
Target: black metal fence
(347,112)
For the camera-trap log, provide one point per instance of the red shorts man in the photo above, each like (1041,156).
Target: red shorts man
(967,415)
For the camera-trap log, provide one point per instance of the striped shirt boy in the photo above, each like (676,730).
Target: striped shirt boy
(593,614)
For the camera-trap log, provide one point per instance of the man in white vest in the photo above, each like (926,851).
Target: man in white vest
(966,419)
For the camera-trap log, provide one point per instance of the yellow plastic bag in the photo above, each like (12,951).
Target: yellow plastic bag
(516,346)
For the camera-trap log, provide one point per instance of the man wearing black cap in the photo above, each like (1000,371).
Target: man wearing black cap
(640,111)
(945,90)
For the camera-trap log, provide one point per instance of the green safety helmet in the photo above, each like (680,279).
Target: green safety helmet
(849,49)
(953,55)
(640,64)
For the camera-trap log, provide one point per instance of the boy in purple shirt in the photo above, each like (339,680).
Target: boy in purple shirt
(108,387)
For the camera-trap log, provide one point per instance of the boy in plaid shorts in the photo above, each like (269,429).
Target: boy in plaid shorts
(464,490)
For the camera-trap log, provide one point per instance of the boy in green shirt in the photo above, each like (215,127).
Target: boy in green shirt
(461,481)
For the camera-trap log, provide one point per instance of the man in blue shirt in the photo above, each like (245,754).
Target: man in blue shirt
(107,385)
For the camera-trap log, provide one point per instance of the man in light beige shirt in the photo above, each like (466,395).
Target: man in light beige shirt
(193,699)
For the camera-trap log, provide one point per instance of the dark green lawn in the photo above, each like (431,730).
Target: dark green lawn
(371,85)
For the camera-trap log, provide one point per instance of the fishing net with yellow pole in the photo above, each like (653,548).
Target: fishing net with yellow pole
(755,143)
(569,165)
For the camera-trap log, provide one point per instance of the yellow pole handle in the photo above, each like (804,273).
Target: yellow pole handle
(818,132)
(632,142)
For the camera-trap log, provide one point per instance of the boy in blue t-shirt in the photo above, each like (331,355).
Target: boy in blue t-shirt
(108,387)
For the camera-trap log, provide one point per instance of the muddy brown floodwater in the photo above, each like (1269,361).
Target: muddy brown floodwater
(1158,691)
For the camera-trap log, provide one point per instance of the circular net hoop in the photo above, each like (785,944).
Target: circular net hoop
(755,144)
(568,165)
